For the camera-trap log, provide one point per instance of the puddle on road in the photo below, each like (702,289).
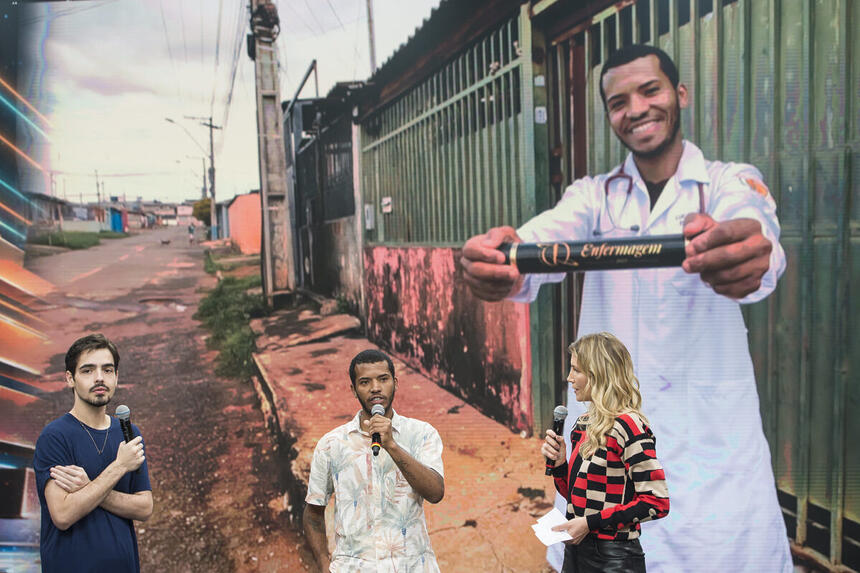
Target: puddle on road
(87,304)
(163,303)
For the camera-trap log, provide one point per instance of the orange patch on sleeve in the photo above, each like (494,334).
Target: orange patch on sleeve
(757,186)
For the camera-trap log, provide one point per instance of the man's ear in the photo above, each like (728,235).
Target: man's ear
(70,380)
(683,96)
(352,387)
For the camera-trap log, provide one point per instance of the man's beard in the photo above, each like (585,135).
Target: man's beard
(367,407)
(665,144)
(97,401)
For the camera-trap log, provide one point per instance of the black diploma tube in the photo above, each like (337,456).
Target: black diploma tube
(571,256)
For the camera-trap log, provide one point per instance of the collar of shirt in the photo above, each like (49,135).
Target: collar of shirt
(691,171)
(355,425)
(691,167)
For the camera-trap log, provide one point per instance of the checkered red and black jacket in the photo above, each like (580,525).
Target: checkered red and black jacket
(620,486)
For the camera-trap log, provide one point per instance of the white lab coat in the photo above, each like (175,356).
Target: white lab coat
(690,350)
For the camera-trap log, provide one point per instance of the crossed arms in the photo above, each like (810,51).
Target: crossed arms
(71,495)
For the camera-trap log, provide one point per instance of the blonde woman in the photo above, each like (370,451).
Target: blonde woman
(613,480)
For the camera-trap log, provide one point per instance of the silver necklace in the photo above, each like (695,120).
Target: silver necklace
(93,439)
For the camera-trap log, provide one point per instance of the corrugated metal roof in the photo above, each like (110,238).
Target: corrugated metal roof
(452,25)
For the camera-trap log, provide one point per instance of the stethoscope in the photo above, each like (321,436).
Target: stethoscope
(629,180)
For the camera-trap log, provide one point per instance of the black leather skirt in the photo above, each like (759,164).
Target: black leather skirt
(594,555)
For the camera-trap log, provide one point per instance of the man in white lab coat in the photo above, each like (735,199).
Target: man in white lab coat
(683,326)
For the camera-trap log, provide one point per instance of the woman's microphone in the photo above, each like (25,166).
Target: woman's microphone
(558,416)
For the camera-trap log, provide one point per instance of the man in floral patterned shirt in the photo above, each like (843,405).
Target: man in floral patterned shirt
(378,514)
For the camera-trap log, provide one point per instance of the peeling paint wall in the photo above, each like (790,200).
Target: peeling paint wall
(419,308)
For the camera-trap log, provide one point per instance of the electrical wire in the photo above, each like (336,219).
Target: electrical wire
(169,51)
(333,11)
(182,21)
(314,16)
(217,58)
(54,14)
(237,50)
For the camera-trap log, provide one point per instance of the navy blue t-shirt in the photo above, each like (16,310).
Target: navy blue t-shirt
(100,541)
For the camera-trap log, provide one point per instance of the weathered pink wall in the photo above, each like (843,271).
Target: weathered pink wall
(245,223)
(419,308)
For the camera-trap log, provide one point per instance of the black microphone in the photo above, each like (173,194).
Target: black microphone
(375,439)
(558,416)
(123,414)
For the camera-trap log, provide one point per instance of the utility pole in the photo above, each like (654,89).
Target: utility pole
(277,261)
(98,196)
(371,37)
(203,188)
(213,220)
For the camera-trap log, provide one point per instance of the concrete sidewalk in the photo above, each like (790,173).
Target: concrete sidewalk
(494,483)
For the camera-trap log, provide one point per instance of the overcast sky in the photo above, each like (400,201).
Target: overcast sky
(107,73)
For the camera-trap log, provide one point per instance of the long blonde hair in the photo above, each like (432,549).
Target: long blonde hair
(614,387)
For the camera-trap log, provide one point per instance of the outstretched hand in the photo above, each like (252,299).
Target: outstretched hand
(484,267)
(731,256)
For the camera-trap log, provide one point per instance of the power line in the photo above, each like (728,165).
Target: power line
(182,20)
(300,19)
(217,57)
(169,51)
(237,50)
(333,11)
(314,16)
(54,14)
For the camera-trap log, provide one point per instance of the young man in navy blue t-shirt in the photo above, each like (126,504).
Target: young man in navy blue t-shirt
(91,483)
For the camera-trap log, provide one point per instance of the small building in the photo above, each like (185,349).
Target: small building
(184,215)
(47,213)
(245,220)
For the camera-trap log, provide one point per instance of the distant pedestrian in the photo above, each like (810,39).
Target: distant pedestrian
(86,475)
(191,234)
(613,481)
(379,514)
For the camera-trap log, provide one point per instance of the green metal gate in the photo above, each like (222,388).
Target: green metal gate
(774,83)
(457,154)
(452,153)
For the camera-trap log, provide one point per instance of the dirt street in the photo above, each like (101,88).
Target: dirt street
(215,482)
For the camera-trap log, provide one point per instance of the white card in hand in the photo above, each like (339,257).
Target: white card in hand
(543,528)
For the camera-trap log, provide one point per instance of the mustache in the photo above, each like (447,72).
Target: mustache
(97,386)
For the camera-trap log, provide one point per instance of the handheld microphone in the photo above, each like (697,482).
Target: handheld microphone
(375,439)
(123,414)
(558,416)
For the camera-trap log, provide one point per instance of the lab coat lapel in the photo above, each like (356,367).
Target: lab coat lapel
(683,184)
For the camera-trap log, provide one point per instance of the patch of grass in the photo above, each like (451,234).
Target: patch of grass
(113,235)
(343,306)
(69,239)
(209,264)
(226,312)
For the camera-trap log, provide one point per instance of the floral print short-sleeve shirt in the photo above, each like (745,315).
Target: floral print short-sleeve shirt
(379,519)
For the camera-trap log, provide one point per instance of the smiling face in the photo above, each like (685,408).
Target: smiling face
(643,107)
(94,379)
(578,381)
(373,385)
